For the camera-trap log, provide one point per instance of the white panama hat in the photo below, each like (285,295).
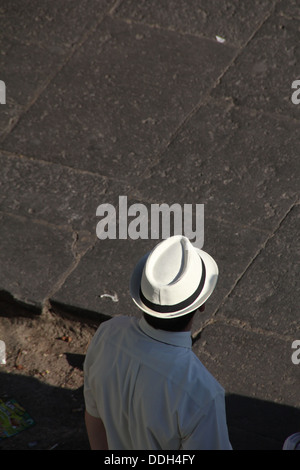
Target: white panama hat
(173,279)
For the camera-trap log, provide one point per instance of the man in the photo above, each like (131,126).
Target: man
(144,387)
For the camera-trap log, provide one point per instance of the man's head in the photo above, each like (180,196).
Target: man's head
(172,282)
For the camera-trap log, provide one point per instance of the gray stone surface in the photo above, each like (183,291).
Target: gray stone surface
(227,158)
(55,25)
(117,101)
(33,256)
(37,39)
(54,193)
(25,69)
(262,76)
(261,381)
(104,270)
(234,21)
(116,97)
(243,360)
(267,296)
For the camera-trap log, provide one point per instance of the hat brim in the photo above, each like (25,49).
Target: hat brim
(212,273)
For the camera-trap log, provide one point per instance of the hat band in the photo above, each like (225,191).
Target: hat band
(180,305)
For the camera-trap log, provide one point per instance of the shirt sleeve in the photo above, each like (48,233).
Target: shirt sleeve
(90,403)
(210,431)
(90,370)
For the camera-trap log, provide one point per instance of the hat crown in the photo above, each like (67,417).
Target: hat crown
(172,272)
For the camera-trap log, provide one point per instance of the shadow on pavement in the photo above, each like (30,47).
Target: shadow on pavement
(58,414)
(59,417)
(259,425)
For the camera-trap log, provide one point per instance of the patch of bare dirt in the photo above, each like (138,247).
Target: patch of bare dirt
(44,374)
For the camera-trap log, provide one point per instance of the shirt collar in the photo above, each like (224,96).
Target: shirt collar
(177,338)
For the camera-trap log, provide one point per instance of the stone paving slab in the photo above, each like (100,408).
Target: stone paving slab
(243,361)
(56,25)
(119,99)
(33,256)
(234,21)
(25,69)
(36,40)
(227,158)
(53,193)
(105,269)
(267,297)
(253,364)
(262,76)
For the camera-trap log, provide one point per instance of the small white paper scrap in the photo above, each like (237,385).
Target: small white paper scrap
(114,297)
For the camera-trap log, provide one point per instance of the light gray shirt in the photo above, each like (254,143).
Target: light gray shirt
(151,391)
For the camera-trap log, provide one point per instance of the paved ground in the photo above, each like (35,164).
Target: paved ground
(117,97)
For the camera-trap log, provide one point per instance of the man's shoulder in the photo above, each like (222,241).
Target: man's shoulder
(118,321)
(201,383)
(116,325)
(110,331)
